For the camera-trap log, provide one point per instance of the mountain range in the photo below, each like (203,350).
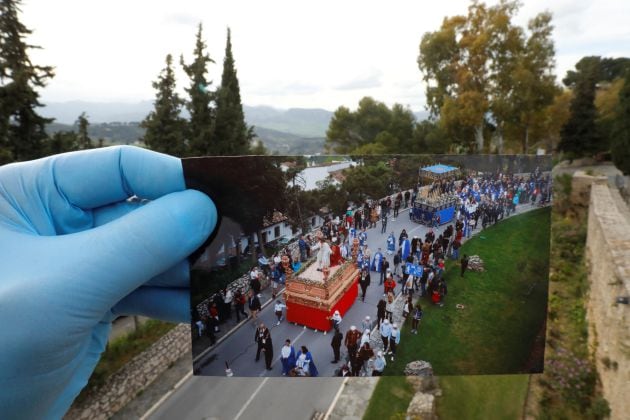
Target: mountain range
(284,131)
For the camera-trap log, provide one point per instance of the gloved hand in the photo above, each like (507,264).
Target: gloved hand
(75,253)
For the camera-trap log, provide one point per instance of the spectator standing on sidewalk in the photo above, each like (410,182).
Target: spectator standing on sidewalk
(394,340)
(380,309)
(253,303)
(239,304)
(386,332)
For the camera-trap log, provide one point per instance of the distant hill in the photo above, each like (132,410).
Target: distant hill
(289,144)
(112,133)
(299,121)
(129,133)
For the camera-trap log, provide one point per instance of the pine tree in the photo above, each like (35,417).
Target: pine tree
(202,118)
(164,126)
(620,147)
(83,139)
(22,129)
(231,135)
(579,136)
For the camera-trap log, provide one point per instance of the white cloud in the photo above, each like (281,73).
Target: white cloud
(288,54)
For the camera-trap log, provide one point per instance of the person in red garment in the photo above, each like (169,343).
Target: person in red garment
(335,255)
(390,284)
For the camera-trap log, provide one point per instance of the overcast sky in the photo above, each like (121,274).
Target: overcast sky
(288,53)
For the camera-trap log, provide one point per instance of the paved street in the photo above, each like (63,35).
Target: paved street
(213,397)
(239,349)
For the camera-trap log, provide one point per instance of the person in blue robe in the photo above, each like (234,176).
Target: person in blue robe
(363,238)
(377,261)
(287,362)
(391,244)
(305,361)
(406,249)
(353,233)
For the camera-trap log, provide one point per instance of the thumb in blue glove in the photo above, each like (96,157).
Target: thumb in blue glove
(75,253)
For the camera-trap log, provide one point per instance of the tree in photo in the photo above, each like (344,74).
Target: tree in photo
(202,117)
(83,139)
(164,125)
(620,144)
(579,136)
(231,135)
(22,129)
(372,129)
(484,74)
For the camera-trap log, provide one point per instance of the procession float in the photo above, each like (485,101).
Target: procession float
(430,203)
(321,287)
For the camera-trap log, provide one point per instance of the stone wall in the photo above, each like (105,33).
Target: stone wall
(608,258)
(134,377)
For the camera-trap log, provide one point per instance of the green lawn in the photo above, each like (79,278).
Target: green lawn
(390,399)
(505,306)
(482,397)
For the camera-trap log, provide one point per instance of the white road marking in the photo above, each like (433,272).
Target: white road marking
(251,398)
(334,401)
(159,402)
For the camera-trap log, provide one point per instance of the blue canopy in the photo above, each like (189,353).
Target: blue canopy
(438,170)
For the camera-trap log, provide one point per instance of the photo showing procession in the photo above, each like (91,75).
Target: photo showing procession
(372,265)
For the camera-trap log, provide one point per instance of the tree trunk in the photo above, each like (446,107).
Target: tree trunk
(499,139)
(479,138)
(526,145)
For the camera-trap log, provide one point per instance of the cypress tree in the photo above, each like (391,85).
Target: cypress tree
(164,125)
(579,137)
(22,129)
(201,124)
(83,139)
(232,137)
(620,147)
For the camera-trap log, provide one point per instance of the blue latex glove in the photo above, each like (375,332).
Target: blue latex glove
(74,254)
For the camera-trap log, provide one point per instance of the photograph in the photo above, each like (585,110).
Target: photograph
(371,265)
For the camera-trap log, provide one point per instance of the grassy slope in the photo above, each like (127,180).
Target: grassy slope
(390,398)
(482,397)
(505,305)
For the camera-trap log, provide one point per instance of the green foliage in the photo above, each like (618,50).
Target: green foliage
(568,386)
(231,134)
(580,136)
(505,305)
(367,181)
(482,397)
(164,126)
(202,116)
(390,399)
(22,129)
(607,69)
(620,147)
(122,350)
(83,141)
(372,129)
(482,69)
(61,142)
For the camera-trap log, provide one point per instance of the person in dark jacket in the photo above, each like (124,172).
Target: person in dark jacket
(336,345)
(364,282)
(262,337)
(253,303)
(380,310)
